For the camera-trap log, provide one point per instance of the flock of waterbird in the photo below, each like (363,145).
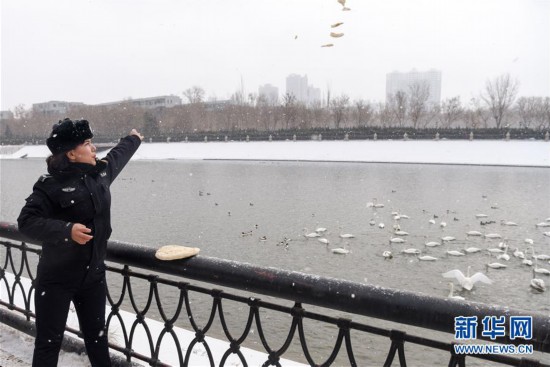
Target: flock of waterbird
(528,257)
(498,255)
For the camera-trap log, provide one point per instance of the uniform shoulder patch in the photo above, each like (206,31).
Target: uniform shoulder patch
(44,177)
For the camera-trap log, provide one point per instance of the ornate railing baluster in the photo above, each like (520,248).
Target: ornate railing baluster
(397,344)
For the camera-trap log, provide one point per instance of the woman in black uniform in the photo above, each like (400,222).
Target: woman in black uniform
(69,213)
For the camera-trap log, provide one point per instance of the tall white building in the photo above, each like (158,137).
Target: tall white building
(398,81)
(270,92)
(298,86)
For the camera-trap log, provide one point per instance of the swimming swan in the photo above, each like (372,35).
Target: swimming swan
(537,284)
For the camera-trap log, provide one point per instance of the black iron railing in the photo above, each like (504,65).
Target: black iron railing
(326,299)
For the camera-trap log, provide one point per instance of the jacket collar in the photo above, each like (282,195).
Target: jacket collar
(79,169)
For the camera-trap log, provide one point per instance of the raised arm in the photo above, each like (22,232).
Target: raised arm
(120,155)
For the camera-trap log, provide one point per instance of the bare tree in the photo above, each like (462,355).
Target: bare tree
(499,96)
(151,125)
(385,114)
(529,110)
(363,112)
(545,114)
(195,94)
(240,109)
(451,111)
(398,104)
(319,114)
(419,93)
(19,112)
(268,114)
(477,116)
(338,107)
(289,109)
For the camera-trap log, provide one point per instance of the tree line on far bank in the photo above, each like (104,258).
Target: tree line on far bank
(491,115)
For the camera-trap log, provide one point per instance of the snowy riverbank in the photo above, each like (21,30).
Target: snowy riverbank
(486,152)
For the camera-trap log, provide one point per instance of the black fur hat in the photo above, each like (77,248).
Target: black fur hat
(67,134)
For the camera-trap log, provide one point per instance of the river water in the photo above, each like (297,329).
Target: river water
(227,208)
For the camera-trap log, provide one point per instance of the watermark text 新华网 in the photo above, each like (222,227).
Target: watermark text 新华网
(519,327)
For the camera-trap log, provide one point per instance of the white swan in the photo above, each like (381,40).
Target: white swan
(320,230)
(540,270)
(455,253)
(374,204)
(397,240)
(426,258)
(527,262)
(543,224)
(508,223)
(495,250)
(431,221)
(474,233)
(519,254)
(496,266)
(347,235)
(323,240)
(381,225)
(537,284)
(340,251)
(493,235)
(401,233)
(467,282)
(547,234)
(481,215)
(504,256)
(451,293)
(387,255)
(432,244)
(472,250)
(529,241)
(537,258)
(448,238)
(312,235)
(443,224)
(411,251)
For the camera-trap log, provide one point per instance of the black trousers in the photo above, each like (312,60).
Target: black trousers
(52,302)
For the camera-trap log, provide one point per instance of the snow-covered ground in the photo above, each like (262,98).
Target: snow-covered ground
(478,152)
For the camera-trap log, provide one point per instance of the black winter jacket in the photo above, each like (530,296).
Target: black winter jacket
(78,195)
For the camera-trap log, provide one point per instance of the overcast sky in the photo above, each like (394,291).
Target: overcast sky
(96,51)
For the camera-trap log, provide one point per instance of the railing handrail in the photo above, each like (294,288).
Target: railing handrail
(399,306)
